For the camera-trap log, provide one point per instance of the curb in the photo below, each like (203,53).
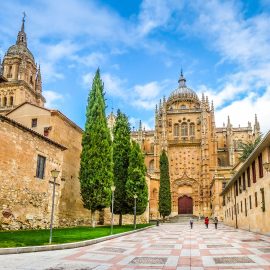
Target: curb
(18,250)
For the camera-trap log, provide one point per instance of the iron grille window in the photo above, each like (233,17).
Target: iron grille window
(41,161)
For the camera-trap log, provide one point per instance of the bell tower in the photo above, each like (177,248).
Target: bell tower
(21,78)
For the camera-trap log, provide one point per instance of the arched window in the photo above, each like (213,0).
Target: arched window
(151,166)
(176,130)
(5,101)
(191,130)
(184,130)
(11,101)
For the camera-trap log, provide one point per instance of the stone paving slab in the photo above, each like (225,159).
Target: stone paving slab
(167,247)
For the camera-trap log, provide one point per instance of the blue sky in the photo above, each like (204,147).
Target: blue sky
(140,47)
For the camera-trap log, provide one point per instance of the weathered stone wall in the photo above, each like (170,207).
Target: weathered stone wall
(71,210)
(25,200)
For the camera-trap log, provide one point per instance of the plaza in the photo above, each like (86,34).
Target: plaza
(169,246)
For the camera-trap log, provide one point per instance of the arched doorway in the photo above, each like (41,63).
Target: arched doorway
(185,205)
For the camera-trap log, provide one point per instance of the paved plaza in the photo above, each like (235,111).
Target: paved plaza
(169,246)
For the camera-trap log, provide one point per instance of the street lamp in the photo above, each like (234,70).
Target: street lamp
(135,197)
(112,189)
(54,174)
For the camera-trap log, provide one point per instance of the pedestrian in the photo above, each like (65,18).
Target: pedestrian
(191,222)
(206,222)
(216,222)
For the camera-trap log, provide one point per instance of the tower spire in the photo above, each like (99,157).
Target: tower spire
(21,38)
(182,80)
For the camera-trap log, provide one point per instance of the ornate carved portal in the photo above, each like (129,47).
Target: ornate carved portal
(185,205)
(185,193)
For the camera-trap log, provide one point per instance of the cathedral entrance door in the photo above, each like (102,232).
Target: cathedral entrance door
(185,205)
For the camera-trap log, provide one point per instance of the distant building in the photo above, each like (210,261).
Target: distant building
(246,197)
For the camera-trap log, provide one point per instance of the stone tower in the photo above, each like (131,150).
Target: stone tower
(20,78)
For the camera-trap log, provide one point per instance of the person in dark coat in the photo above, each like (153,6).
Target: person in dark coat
(206,222)
(216,222)
(191,222)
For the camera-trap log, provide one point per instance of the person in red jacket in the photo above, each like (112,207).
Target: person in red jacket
(206,222)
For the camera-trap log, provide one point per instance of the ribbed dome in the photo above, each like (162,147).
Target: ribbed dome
(183,93)
(19,49)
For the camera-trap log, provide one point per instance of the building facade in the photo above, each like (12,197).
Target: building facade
(201,156)
(246,198)
(26,161)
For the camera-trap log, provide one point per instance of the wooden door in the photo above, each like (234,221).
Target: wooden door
(185,205)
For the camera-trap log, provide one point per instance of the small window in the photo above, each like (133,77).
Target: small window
(256,199)
(241,207)
(11,101)
(248,176)
(5,101)
(34,122)
(253,171)
(250,204)
(260,165)
(41,161)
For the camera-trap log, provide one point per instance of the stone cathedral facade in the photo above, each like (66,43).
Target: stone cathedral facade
(202,157)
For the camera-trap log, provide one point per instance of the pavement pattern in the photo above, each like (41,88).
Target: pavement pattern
(169,246)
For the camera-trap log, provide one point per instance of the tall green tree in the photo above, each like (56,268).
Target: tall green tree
(164,189)
(121,152)
(96,170)
(248,148)
(136,182)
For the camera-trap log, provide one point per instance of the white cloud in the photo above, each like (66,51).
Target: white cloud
(242,111)
(113,85)
(94,59)
(52,98)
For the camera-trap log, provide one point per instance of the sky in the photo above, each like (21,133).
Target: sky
(140,47)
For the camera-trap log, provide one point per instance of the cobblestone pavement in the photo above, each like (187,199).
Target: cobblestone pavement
(170,246)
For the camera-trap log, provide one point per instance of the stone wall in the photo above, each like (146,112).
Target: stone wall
(25,200)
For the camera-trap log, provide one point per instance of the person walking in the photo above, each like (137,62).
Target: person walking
(191,222)
(206,222)
(216,222)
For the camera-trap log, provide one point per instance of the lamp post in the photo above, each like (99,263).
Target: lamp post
(135,198)
(112,189)
(54,174)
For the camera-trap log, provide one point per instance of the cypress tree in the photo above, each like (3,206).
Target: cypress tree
(136,183)
(164,189)
(96,175)
(121,152)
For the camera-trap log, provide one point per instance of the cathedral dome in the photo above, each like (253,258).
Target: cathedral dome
(20,49)
(183,93)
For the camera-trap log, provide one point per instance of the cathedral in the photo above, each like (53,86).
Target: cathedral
(202,157)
